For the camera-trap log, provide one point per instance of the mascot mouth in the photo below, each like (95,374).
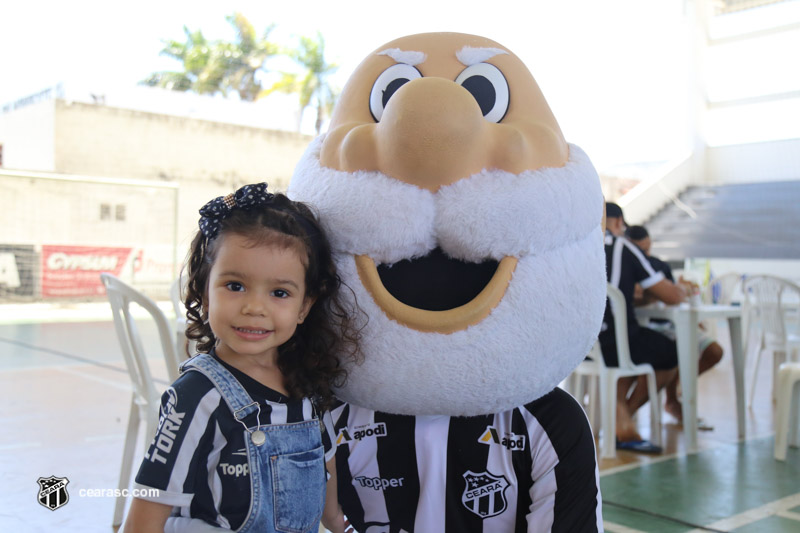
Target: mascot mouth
(436,293)
(436,282)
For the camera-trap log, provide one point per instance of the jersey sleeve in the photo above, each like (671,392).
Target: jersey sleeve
(662,266)
(565,495)
(183,440)
(644,273)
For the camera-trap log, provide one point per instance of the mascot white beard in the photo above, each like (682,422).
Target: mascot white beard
(545,323)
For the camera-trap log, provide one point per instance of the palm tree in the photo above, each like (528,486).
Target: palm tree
(245,58)
(195,55)
(312,86)
(218,66)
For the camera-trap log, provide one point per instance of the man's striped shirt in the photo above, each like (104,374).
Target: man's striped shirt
(531,468)
(626,265)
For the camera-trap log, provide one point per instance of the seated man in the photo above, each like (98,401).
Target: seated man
(710,351)
(627,266)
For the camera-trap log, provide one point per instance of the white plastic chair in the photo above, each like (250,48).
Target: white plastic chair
(145,399)
(769,301)
(721,289)
(595,367)
(787,415)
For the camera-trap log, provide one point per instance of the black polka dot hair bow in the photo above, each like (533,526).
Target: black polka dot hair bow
(214,212)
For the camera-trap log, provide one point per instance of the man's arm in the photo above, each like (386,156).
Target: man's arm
(668,292)
(565,495)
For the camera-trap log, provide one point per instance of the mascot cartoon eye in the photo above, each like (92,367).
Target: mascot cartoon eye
(387,84)
(489,87)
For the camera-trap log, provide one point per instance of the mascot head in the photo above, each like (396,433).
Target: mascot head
(468,228)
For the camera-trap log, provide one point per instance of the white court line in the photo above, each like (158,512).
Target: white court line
(633,466)
(102,438)
(17,445)
(754,515)
(789,515)
(611,527)
(126,386)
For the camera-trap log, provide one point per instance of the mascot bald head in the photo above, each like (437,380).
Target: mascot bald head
(467,227)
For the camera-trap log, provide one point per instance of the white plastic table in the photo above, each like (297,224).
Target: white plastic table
(686,319)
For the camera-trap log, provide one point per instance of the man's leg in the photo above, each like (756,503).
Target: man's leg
(628,404)
(639,396)
(712,354)
(661,352)
(626,427)
(672,404)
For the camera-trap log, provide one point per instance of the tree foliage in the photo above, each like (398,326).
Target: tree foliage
(312,85)
(240,66)
(211,67)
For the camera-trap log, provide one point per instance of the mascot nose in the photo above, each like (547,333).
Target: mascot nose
(432,133)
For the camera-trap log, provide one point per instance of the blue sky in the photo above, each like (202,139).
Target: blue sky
(610,70)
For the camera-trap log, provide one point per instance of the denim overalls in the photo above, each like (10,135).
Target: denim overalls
(286,463)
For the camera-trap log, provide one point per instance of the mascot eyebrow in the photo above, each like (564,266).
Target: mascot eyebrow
(468,55)
(407,57)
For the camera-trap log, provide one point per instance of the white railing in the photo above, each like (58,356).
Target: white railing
(645,199)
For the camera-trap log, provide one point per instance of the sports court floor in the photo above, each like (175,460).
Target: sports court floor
(66,396)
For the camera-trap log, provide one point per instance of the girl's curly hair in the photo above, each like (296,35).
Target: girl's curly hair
(311,361)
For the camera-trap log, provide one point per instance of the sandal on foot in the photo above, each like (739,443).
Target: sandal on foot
(640,446)
(703,425)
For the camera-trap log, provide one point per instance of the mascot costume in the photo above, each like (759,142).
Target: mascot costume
(471,234)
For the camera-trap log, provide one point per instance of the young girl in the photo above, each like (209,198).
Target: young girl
(239,445)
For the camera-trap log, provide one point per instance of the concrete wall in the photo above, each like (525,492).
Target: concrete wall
(205,158)
(106,141)
(97,157)
(749,163)
(28,137)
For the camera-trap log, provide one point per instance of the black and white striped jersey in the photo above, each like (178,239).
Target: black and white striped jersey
(198,459)
(530,469)
(626,265)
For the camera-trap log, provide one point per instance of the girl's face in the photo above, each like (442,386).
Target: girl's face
(256,297)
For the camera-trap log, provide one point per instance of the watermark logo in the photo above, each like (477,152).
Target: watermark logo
(117,493)
(53,492)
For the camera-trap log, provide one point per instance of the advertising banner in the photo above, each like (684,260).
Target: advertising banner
(69,271)
(17,270)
